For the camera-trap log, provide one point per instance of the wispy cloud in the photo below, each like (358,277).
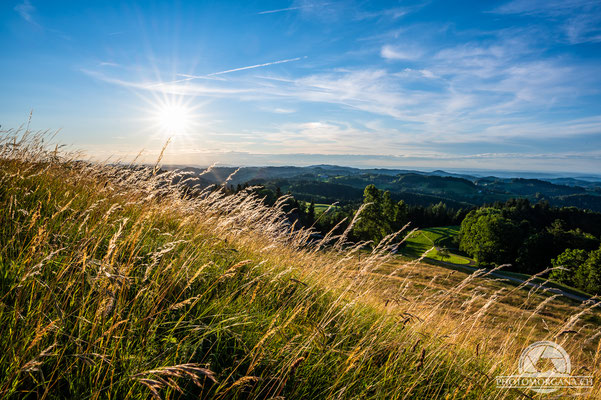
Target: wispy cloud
(578,20)
(545,130)
(545,7)
(481,99)
(349,10)
(280,110)
(396,53)
(393,13)
(417,73)
(26,10)
(496,88)
(108,64)
(314,136)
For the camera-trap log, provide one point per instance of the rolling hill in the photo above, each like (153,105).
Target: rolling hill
(329,184)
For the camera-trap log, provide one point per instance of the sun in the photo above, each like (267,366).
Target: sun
(171,116)
(174,118)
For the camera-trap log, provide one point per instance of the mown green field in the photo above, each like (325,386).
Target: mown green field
(320,208)
(432,240)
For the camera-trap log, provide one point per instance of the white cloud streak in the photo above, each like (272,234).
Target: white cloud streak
(256,66)
(545,7)
(578,20)
(26,10)
(395,53)
(278,10)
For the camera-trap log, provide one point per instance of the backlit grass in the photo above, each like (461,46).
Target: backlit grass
(116,283)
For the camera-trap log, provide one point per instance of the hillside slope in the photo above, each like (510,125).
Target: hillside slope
(116,284)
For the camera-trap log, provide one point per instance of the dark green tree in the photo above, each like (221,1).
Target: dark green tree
(371,224)
(388,212)
(588,276)
(570,261)
(311,213)
(489,237)
(536,252)
(401,217)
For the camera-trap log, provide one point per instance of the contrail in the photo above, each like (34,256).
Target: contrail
(279,10)
(304,7)
(190,77)
(255,66)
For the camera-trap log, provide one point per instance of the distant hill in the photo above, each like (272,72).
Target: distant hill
(332,183)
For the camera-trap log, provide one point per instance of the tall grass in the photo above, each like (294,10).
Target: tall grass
(117,282)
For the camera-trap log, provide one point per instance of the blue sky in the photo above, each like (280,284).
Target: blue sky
(513,85)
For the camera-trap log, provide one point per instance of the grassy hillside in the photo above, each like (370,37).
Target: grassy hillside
(117,284)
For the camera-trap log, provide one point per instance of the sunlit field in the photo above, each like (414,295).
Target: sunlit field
(118,284)
(437,242)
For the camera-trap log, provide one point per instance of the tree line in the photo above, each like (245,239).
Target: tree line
(381,214)
(534,237)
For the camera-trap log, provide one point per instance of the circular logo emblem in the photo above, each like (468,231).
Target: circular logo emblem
(544,360)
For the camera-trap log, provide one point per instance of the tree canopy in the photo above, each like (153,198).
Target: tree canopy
(489,237)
